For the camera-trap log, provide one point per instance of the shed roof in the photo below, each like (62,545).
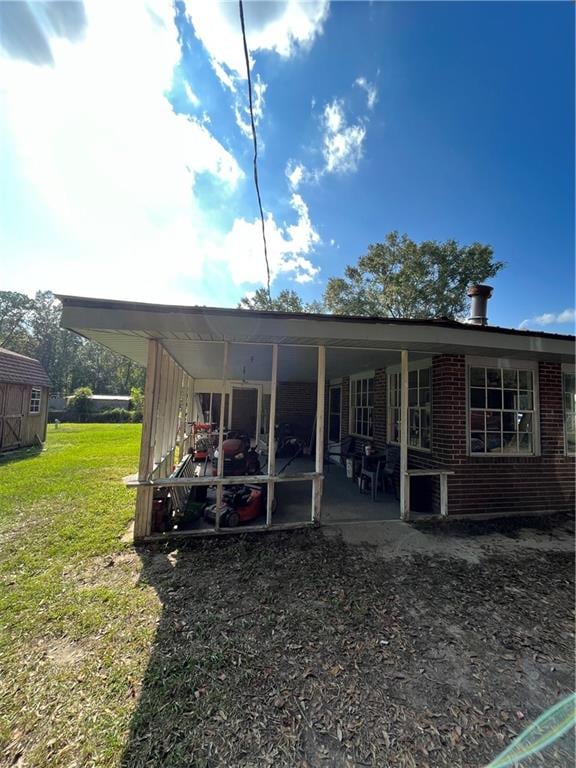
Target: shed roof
(19,369)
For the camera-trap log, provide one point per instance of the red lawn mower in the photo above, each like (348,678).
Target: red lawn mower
(240,503)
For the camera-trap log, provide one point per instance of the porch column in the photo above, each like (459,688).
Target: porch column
(143,517)
(219,487)
(271,436)
(404,479)
(317,483)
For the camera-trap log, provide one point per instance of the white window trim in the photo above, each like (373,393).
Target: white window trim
(499,362)
(39,390)
(356,377)
(567,368)
(416,365)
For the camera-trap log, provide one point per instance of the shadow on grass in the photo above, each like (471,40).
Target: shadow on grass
(20,454)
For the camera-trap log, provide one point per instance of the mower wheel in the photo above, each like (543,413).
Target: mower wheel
(233,519)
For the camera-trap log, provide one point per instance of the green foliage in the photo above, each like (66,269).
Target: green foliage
(15,310)
(137,403)
(286,301)
(81,402)
(32,327)
(112,416)
(401,278)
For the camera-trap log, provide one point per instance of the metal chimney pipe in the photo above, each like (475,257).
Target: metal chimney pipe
(479,295)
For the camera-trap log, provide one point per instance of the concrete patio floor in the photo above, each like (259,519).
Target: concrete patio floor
(342,501)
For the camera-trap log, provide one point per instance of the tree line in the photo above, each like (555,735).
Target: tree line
(395,278)
(32,327)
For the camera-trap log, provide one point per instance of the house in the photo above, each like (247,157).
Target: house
(484,415)
(23,401)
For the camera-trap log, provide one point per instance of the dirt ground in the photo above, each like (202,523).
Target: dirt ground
(302,650)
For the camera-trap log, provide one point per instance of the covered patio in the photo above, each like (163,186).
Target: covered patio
(198,358)
(318,389)
(237,386)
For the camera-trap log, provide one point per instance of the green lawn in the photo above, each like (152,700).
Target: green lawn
(75,632)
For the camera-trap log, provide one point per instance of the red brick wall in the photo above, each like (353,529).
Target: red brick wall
(498,484)
(296,405)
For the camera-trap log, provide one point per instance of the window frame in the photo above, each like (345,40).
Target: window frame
(35,400)
(567,370)
(416,365)
(518,365)
(355,377)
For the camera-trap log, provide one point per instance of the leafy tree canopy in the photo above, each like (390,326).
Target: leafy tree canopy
(32,327)
(401,278)
(285,301)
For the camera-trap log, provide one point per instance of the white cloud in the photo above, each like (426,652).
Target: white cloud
(342,143)
(107,175)
(242,114)
(295,173)
(371,91)
(288,247)
(191,96)
(108,170)
(283,28)
(550,318)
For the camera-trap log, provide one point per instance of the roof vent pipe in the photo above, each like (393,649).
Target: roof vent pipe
(479,295)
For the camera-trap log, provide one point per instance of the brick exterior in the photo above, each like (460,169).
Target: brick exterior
(481,484)
(497,484)
(296,405)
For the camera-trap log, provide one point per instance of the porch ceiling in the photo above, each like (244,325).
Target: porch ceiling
(125,328)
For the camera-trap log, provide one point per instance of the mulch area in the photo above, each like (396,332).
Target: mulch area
(297,650)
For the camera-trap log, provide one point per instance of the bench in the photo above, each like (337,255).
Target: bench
(442,474)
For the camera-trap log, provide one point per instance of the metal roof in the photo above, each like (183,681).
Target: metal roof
(441,322)
(125,327)
(19,369)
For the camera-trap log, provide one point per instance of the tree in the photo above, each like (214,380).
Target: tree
(286,301)
(81,402)
(401,278)
(15,309)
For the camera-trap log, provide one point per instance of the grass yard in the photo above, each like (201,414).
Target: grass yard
(276,650)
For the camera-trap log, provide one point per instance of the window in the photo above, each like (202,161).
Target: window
(35,398)
(361,406)
(502,414)
(569,381)
(419,408)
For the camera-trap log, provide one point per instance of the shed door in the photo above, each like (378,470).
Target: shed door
(13,412)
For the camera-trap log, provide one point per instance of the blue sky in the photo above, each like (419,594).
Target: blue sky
(126,160)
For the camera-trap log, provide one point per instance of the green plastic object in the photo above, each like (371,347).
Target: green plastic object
(550,726)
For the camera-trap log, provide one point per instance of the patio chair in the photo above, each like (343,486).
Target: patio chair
(372,470)
(391,470)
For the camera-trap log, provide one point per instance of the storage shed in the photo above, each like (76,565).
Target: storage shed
(23,401)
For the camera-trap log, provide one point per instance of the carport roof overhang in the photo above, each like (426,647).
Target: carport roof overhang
(125,327)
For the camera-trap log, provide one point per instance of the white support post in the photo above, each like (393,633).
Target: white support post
(166,385)
(143,517)
(317,483)
(183,416)
(176,405)
(221,436)
(158,411)
(191,409)
(404,478)
(272,436)
(443,494)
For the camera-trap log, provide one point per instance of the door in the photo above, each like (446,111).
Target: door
(334,420)
(244,415)
(13,412)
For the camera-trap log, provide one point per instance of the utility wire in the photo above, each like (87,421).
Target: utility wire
(256,184)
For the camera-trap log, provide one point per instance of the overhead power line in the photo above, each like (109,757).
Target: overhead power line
(254,139)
